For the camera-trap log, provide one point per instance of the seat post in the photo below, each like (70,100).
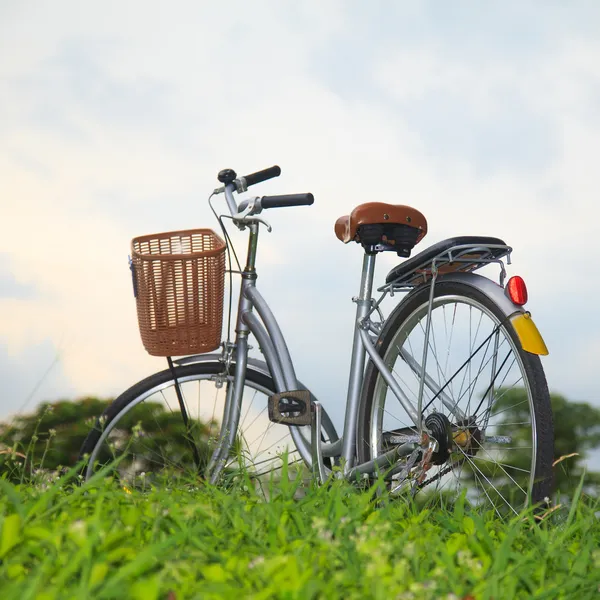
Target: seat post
(357,364)
(366,280)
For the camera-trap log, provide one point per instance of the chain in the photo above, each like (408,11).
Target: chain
(440,474)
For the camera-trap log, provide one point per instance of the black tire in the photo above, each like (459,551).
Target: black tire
(163,431)
(399,331)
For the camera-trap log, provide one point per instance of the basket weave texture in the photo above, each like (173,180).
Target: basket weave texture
(178,280)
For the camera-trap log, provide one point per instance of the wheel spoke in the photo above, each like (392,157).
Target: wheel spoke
(476,355)
(165,442)
(431,347)
(488,482)
(496,462)
(472,341)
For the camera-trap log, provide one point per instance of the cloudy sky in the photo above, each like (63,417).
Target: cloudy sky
(115,119)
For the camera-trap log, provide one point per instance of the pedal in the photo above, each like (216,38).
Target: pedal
(290,408)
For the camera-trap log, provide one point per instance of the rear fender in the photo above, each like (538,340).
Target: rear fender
(526,330)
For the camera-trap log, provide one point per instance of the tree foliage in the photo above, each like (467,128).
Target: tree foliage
(52,436)
(576,432)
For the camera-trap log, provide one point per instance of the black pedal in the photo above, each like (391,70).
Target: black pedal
(290,408)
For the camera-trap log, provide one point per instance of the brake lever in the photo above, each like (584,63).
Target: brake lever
(259,220)
(241,219)
(253,206)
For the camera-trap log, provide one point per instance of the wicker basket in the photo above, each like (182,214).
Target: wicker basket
(178,281)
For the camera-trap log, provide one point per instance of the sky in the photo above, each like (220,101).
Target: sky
(115,119)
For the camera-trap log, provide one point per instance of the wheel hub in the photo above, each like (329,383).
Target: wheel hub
(441,430)
(464,434)
(468,436)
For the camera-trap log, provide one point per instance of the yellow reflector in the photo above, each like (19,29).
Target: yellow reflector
(528,334)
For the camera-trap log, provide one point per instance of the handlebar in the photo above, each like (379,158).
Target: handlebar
(287,200)
(232,184)
(263,175)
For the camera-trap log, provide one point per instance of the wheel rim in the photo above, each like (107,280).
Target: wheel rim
(149,439)
(487,403)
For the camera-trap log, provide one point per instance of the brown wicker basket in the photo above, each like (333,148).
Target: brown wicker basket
(178,280)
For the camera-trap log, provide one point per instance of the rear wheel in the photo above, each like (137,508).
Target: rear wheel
(144,434)
(485,401)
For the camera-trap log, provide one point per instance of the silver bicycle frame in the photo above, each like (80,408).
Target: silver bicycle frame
(274,348)
(277,356)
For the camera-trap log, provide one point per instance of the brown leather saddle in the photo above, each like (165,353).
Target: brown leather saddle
(379,227)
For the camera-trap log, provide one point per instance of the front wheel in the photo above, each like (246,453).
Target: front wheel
(143,431)
(485,401)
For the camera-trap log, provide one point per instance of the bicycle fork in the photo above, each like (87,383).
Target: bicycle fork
(235,388)
(276,353)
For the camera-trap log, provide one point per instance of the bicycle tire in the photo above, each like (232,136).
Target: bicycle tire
(465,440)
(122,408)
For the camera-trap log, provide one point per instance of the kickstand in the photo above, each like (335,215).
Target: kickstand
(184,414)
(318,466)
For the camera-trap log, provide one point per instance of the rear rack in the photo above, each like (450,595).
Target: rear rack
(459,258)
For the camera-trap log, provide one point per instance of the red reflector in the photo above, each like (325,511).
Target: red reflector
(517,290)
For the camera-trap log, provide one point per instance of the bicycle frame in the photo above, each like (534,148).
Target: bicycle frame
(280,364)
(277,356)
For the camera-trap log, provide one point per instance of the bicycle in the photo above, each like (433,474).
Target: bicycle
(447,390)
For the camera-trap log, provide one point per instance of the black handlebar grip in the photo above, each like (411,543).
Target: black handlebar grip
(263,175)
(287,200)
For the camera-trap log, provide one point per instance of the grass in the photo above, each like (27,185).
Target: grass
(185,539)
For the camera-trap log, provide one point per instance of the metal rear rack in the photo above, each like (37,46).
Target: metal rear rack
(458,258)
